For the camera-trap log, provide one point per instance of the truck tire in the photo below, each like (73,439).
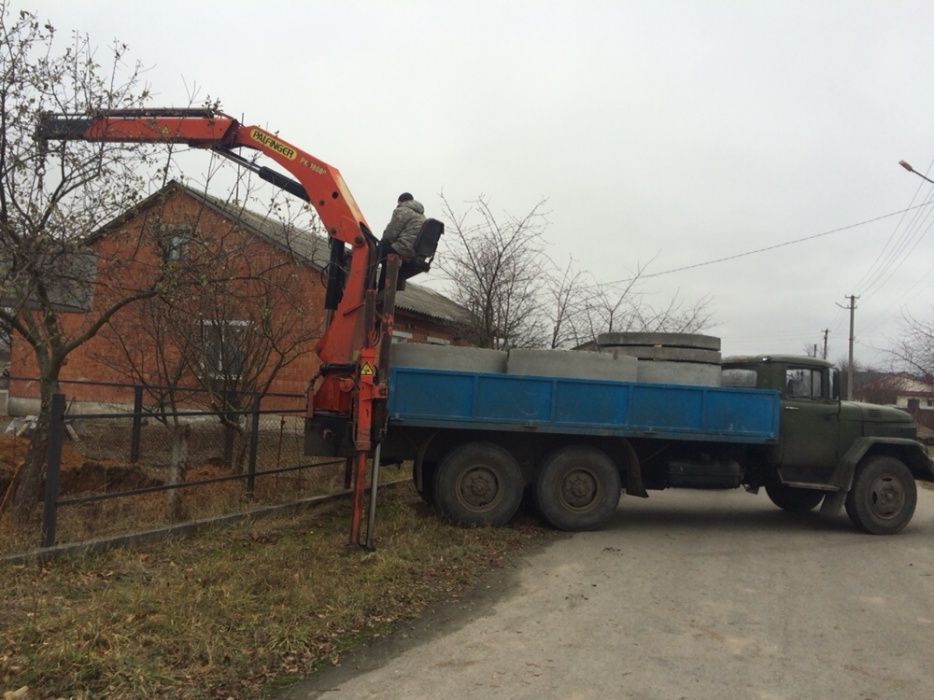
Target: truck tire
(794,500)
(883,497)
(478,483)
(577,488)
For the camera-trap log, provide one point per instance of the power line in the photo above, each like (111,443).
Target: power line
(918,281)
(756,251)
(885,248)
(888,257)
(914,234)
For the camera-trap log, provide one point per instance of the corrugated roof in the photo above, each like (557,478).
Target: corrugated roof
(310,248)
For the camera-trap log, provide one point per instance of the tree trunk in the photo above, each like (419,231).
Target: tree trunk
(178,470)
(243,444)
(28,486)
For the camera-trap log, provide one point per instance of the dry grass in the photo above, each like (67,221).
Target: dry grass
(234,612)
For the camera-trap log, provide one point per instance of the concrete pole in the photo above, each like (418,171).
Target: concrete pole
(849,367)
(826,332)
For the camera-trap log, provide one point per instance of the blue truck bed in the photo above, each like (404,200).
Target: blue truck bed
(480,401)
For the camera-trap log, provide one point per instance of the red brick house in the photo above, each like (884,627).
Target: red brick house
(191,223)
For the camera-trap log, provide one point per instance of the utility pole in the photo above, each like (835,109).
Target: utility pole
(826,332)
(849,368)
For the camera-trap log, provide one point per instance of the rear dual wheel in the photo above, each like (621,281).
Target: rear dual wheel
(577,488)
(478,483)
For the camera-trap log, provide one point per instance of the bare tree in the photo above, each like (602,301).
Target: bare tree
(517,297)
(498,270)
(228,322)
(250,324)
(623,310)
(610,308)
(568,299)
(52,197)
(149,354)
(5,330)
(914,351)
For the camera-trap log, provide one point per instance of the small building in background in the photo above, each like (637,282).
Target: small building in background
(903,390)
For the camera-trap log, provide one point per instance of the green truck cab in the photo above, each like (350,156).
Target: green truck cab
(864,457)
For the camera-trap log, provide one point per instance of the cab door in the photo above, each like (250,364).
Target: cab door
(810,426)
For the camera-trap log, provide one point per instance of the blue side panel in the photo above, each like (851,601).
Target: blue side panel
(604,404)
(739,411)
(512,399)
(433,394)
(444,398)
(674,406)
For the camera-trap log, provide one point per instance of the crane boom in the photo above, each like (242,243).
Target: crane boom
(203,128)
(344,403)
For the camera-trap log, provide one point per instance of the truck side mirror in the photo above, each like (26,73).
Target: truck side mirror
(835,385)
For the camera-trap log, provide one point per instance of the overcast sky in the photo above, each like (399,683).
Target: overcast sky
(677,132)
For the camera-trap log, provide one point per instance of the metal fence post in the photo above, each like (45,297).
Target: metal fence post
(137,423)
(254,445)
(229,432)
(53,462)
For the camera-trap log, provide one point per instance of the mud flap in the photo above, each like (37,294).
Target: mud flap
(833,503)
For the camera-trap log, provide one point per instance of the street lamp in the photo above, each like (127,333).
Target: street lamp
(907,166)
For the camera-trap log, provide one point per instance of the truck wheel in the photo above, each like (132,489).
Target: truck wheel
(577,488)
(794,500)
(478,483)
(883,497)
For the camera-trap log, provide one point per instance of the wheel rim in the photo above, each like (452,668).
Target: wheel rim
(478,487)
(886,497)
(579,489)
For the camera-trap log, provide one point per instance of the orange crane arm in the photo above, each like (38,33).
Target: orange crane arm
(345,405)
(318,183)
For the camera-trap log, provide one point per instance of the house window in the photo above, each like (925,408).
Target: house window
(173,241)
(222,346)
(175,248)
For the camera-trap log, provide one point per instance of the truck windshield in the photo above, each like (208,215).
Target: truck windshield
(803,383)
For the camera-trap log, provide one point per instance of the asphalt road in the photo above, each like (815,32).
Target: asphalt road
(685,595)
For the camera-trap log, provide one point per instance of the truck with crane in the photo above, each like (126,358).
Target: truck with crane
(481,440)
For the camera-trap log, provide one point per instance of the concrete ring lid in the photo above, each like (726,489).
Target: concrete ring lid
(651,352)
(672,340)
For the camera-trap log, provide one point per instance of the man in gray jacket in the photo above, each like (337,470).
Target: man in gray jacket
(403,228)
